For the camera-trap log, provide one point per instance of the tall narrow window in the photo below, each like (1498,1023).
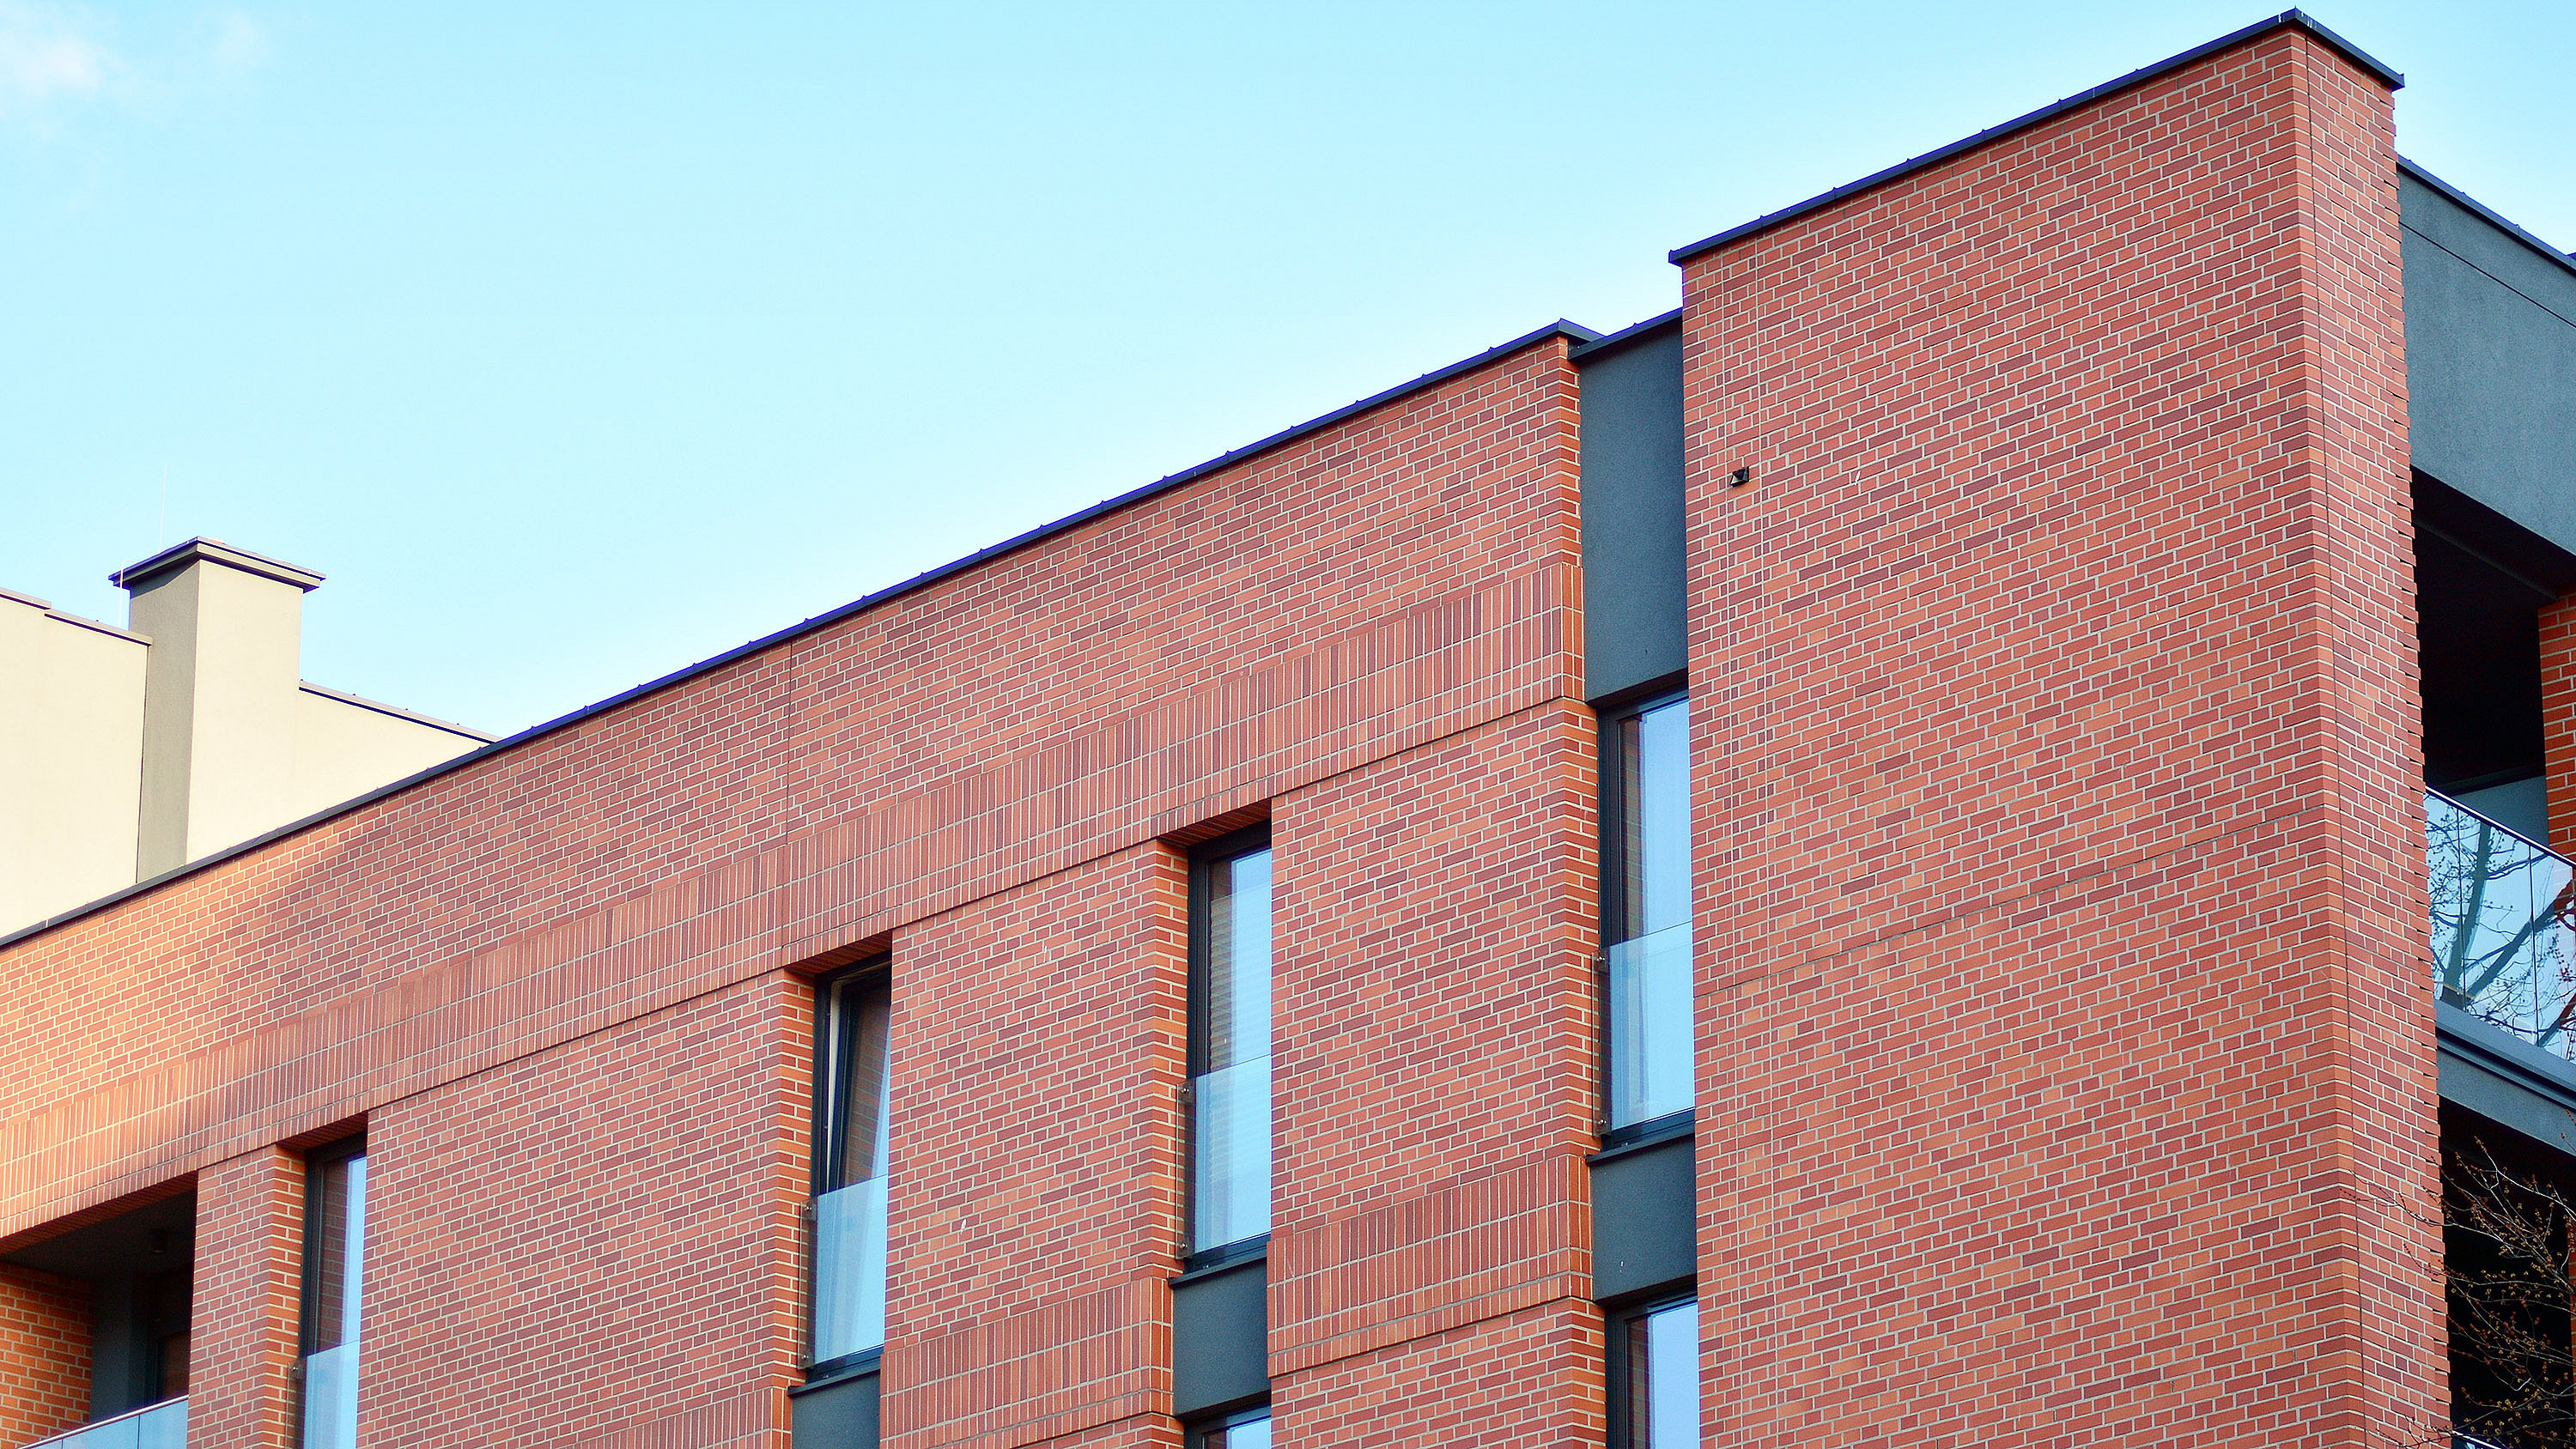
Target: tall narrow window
(335,1257)
(1654,1377)
(1230,1044)
(1647,895)
(854,1076)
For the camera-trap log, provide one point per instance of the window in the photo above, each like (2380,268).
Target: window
(1654,1377)
(335,1245)
(1646,916)
(1247,1429)
(167,1321)
(1230,1046)
(853,1078)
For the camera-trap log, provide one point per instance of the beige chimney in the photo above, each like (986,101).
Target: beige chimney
(219,699)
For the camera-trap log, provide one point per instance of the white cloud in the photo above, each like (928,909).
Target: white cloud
(239,43)
(44,56)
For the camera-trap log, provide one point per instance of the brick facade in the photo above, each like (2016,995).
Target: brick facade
(2558,719)
(44,1353)
(249,1278)
(1039,1212)
(1436,923)
(2059,790)
(2065,1056)
(540,976)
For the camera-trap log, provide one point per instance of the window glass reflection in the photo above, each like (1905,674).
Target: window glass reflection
(1230,1091)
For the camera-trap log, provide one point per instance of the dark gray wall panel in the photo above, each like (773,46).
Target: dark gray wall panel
(1221,1338)
(1645,1215)
(2490,361)
(1632,512)
(839,1415)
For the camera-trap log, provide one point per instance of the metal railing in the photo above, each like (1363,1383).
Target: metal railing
(154,1426)
(2503,949)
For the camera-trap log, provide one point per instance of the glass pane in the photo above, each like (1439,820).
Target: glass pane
(850,1270)
(2501,942)
(1654,849)
(331,1398)
(1230,1098)
(329,1235)
(863,1100)
(1238,977)
(339,1239)
(1650,936)
(1663,1378)
(1650,1026)
(850,1219)
(163,1426)
(1254,1434)
(1232,1150)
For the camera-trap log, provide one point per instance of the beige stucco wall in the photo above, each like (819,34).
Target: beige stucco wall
(344,748)
(122,757)
(219,735)
(71,742)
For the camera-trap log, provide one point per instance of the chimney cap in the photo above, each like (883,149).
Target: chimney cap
(213,550)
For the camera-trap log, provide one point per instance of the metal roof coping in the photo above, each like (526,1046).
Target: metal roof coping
(2299,19)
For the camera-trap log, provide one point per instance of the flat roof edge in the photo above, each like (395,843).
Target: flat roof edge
(1572,332)
(1635,332)
(378,706)
(2486,213)
(2298,19)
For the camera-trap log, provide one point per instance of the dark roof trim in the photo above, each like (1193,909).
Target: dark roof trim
(1617,341)
(2298,18)
(214,550)
(1559,328)
(2479,209)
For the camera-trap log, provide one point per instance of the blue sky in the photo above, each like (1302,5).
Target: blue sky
(578,343)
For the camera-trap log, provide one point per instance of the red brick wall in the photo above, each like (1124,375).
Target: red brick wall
(247,1305)
(44,1353)
(1436,1090)
(1040,1047)
(1384,583)
(2066,1052)
(1529,1379)
(2558,719)
(597,1244)
(555,983)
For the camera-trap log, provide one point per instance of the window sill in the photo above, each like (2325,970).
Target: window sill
(1217,1260)
(1638,1136)
(849,1366)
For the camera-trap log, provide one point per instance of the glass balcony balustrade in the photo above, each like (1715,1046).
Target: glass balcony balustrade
(1232,1138)
(850,1270)
(155,1426)
(1650,1026)
(2501,903)
(331,1398)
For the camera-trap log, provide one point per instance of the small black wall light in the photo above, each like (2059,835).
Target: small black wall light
(1739,477)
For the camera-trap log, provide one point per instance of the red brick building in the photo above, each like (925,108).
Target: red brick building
(1848,865)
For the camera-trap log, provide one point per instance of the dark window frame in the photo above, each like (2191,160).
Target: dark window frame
(1199,1429)
(1616,1368)
(835,1050)
(309,1292)
(1613,816)
(1203,860)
